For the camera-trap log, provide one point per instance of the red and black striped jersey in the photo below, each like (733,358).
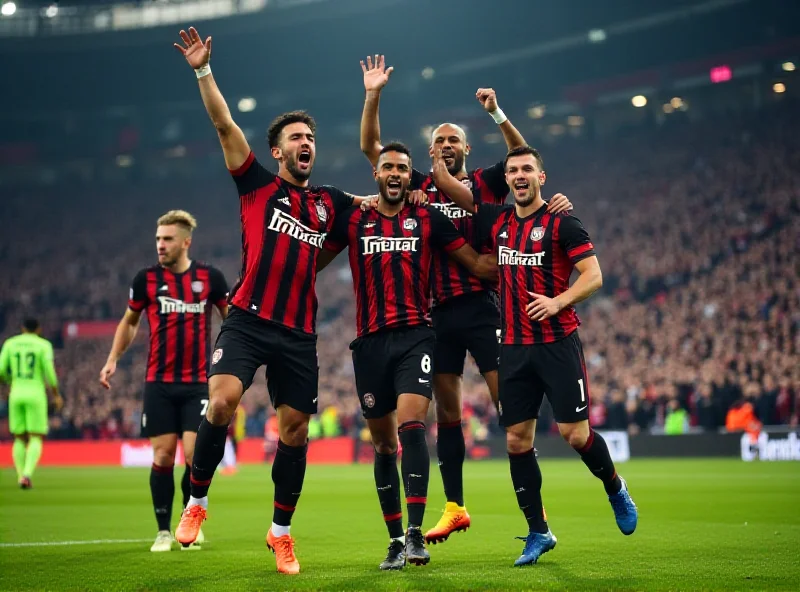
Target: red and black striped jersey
(178,309)
(390,260)
(283,228)
(449,278)
(534,254)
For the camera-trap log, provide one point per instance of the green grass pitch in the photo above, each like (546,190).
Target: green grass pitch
(704,524)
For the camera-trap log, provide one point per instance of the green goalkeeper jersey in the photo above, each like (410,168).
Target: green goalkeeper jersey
(26,361)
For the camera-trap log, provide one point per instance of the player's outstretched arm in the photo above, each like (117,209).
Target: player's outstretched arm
(455,189)
(589,281)
(197,54)
(123,337)
(487,97)
(376,75)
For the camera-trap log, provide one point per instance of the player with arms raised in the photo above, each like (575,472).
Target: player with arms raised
(273,306)
(391,251)
(26,362)
(177,296)
(540,352)
(465,315)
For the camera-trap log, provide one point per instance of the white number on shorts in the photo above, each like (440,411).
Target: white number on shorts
(499,335)
(426,364)
(583,395)
(204,406)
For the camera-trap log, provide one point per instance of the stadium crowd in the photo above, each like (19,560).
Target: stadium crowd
(696,227)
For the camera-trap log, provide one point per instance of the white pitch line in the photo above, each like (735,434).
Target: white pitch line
(67,543)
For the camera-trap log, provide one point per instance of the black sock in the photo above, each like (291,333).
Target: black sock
(185,486)
(596,456)
(162,490)
(416,468)
(451,451)
(288,472)
(527,479)
(208,450)
(387,482)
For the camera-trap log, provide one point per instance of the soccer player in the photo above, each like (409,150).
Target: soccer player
(465,315)
(177,296)
(391,250)
(26,362)
(273,305)
(540,351)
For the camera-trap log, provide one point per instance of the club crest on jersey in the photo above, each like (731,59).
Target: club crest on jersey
(369,400)
(369,225)
(537,233)
(409,224)
(322,212)
(197,287)
(216,356)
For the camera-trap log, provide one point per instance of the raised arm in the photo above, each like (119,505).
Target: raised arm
(197,54)
(487,97)
(376,75)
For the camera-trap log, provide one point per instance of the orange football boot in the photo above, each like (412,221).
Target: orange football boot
(189,526)
(283,547)
(454,519)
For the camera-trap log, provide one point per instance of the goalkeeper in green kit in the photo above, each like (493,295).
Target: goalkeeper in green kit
(26,362)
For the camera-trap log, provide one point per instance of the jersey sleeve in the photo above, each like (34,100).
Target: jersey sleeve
(417,180)
(494,178)
(341,199)
(443,234)
(48,364)
(219,287)
(137,298)
(573,238)
(337,238)
(251,175)
(5,363)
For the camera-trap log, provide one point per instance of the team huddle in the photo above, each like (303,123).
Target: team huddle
(448,270)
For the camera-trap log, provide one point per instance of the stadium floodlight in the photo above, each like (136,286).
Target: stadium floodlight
(8,8)
(779,87)
(597,35)
(428,73)
(575,120)
(536,112)
(51,11)
(639,101)
(247,104)
(788,66)
(668,108)
(676,102)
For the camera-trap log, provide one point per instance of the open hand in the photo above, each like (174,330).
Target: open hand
(106,373)
(376,74)
(541,307)
(193,49)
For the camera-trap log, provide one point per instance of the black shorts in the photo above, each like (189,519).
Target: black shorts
(172,408)
(390,363)
(468,323)
(247,342)
(529,372)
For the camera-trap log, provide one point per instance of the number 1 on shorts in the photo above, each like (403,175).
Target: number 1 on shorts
(583,395)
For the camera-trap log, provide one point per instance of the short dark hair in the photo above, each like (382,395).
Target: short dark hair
(30,324)
(284,119)
(395,147)
(521,151)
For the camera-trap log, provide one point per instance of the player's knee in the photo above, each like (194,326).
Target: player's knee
(519,439)
(384,443)
(294,429)
(221,409)
(448,410)
(163,457)
(574,435)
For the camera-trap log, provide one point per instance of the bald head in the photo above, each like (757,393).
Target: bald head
(452,141)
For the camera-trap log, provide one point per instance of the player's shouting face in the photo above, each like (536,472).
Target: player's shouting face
(393,175)
(525,177)
(295,148)
(453,142)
